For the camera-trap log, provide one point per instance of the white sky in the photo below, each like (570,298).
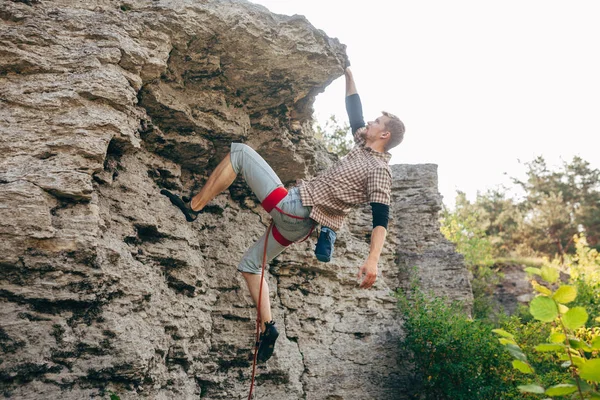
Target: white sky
(479,84)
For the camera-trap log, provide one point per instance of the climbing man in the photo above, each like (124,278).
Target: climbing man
(362,176)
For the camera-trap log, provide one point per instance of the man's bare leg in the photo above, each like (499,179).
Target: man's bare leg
(220,179)
(253,282)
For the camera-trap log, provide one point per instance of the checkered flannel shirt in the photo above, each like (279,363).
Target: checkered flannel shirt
(362,176)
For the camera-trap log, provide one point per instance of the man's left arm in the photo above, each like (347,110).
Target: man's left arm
(369,268)
(379,187)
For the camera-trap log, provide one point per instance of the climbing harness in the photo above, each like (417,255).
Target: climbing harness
(270,204)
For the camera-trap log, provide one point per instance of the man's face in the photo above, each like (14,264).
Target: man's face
(376,128)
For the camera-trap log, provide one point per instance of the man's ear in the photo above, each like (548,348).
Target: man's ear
(386,134)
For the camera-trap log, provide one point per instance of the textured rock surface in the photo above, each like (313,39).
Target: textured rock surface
(104,287)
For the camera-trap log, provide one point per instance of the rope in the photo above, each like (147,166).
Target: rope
(262,277)
(258,319)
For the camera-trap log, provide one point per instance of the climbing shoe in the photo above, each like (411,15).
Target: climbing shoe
(184,204)
(266,344)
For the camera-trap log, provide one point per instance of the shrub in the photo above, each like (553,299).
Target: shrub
(569,342)
(453,357)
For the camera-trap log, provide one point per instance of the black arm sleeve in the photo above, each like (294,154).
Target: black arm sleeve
(355,112)
(381,214)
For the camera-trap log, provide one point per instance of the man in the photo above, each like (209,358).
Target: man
(362,176)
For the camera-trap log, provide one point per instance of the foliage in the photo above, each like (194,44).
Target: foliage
(469,237)
(569,341)
(557,205)
(553,340)
(454,357)
(493,216)
(471,242)
(585,264)
(529,334)
(560,203)
(485,279)
(337,137)
(584,270)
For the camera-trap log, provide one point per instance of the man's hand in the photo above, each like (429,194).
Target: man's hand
(369,271)
(369,268)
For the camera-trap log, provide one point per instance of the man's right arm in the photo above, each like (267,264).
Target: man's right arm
(354,107)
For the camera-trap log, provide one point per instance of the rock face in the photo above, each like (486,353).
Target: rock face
(104,288)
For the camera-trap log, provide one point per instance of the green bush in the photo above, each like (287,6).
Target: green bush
(453,357)
(568,343)
(584,268)
(470,240)
(529,334)
(588,296)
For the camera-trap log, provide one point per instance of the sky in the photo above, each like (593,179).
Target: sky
(482,86)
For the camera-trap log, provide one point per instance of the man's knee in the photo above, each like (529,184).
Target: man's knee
(237,154)
(249,267)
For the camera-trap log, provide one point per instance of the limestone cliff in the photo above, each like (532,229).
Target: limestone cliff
(103,285)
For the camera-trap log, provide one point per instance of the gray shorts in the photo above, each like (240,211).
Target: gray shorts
(262,180)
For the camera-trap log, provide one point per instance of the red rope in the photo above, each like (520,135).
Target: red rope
(296,217)
(269,204)
(289,215)
(258,319)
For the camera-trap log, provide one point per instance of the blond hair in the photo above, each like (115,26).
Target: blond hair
(396,129)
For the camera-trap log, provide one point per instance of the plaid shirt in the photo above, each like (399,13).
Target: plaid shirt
(362,176)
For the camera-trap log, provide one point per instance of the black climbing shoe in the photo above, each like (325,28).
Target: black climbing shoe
(266,345)
(183,203)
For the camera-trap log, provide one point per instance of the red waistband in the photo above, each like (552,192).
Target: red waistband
(274,198)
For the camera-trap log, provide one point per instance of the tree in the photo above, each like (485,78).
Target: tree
(494,215)
(560,204)
(337,137)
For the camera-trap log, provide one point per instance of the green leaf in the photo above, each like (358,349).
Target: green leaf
(584,386)
(561,389)
(543,309)
(504,341)
(523,367)
(562,309)
(516,352)
(503,333)
(550,274)
(533,270)
(531,388)
(573,351)
(596,343)
(575,318)
(590,371)
(549,347)
(541,289)
(578,361)
(579,344)
(557,337)
(565,294)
